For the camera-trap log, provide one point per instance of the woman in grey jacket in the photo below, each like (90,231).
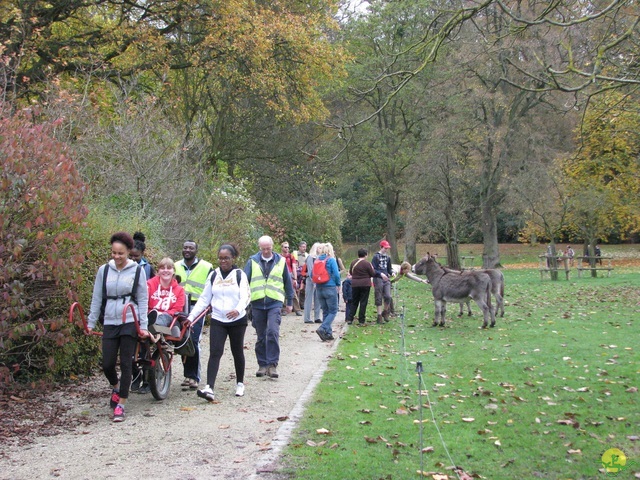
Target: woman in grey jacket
(118,337)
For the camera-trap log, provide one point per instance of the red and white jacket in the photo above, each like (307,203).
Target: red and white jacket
(165,300)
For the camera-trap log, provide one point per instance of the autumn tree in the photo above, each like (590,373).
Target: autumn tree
(604,175)
(41,211)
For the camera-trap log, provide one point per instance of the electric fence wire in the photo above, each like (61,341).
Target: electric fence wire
(422,389)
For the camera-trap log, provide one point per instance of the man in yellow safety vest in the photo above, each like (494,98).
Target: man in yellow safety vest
(193,273)
(271,289)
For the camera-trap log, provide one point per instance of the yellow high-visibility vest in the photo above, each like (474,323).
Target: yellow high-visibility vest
(272,287)
(193,281)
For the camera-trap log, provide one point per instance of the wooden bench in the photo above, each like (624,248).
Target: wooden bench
(594,264)
(466,261)
(553,264)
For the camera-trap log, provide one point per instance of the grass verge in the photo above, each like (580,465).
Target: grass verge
(542,395)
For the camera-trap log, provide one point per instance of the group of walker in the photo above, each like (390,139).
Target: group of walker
(134,309)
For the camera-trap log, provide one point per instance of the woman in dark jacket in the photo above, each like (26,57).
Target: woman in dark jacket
(361,272)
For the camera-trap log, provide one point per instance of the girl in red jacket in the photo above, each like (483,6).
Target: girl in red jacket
(166,297)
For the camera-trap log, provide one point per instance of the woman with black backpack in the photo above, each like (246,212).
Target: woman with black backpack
(119,282)
(227,292)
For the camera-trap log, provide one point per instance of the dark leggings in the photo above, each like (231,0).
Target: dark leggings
(126,345)
(219,332)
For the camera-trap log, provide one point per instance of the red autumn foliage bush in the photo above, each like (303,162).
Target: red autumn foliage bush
(41,211)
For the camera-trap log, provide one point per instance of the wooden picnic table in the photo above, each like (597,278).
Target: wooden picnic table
(466,261)
(553,264)
(594,263)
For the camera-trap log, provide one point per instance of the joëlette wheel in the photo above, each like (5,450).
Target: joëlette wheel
(159,379)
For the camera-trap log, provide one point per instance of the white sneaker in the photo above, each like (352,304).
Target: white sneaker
(240,390)
(207,394)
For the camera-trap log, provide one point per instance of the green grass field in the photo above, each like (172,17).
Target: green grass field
(542,395)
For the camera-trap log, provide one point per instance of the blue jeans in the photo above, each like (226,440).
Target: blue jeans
(267,325)
(192,364)
(328,297)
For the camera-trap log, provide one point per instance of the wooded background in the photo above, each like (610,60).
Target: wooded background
(443,121)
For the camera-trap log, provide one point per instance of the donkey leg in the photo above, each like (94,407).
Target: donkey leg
(461,310)
(492,314)
(499,304)
(485,311)
(469,307)
(436,314)
(443,313)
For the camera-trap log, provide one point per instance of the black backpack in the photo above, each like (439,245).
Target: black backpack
(106,297)
(238,276)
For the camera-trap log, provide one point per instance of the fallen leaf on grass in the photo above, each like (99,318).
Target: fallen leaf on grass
(322,431)
(311,443)
(402,411)
(370,439)
(365,422)
(570,422)
(427,450)
(574,452)
(468,419)
(632,390)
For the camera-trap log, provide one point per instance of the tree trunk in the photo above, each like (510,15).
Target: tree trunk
(553,262)
(591,248)
(391,207)
(453,255)
(491,252)
(410,238)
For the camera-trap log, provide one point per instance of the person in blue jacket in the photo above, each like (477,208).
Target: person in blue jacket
(328,291)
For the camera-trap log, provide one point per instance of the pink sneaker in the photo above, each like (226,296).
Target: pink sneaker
(118,413)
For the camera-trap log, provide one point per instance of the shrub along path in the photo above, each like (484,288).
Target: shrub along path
(68,432)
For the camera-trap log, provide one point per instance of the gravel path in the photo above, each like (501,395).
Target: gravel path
(184,437)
